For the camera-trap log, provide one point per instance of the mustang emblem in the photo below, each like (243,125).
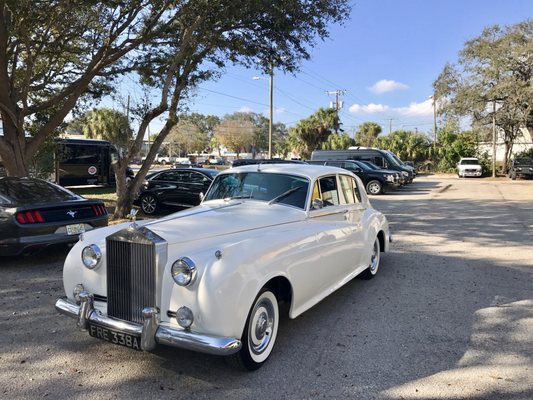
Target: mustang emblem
(71,213)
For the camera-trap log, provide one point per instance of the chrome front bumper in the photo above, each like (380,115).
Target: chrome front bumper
(150,332)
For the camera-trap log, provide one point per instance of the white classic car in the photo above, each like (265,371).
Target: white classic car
(210,278)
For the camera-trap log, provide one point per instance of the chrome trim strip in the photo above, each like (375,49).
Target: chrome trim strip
(150,332)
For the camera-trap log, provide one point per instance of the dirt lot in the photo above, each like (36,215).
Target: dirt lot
(450,316)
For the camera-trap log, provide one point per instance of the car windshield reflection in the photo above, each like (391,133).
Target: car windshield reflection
(268,187)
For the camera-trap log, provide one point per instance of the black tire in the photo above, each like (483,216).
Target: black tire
(259,333)
(374,187)
(373,267)
(149,204)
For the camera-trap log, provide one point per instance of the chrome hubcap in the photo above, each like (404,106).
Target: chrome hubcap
(262,326)
(374,259)
(374,188)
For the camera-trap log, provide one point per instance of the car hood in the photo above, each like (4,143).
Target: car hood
(211,219)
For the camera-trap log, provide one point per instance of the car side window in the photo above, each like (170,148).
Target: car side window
(348,188)
(195,177)
(167,176)
(328,190)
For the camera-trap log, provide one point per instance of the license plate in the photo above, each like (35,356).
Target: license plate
(115,337)
(75,229)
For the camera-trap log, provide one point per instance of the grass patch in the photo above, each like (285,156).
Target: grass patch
(106,194)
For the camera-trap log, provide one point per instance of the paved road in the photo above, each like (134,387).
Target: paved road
(450,316)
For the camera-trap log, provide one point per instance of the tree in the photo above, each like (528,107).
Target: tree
(171,47)
(406,145)
(310,133)
(338,141)
(107,124)
(236,133)
(186,137)
(494,72)
(56,55)
(367,134)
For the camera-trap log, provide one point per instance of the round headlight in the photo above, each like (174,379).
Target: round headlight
(91,256)
(184,317)
(183,271)
(405,173)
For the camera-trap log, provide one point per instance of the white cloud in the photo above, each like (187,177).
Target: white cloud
(368,109)
(423,109)
(245,109)
(386,85)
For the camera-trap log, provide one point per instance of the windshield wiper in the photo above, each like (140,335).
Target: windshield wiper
(284,194)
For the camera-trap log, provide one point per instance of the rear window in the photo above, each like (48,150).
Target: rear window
(29,191)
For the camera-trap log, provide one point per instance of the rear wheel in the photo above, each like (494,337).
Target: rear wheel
(149,204)
(259,333)
(374,187)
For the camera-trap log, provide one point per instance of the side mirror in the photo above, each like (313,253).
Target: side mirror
(317,204)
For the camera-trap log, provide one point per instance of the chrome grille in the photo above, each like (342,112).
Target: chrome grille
(131,277)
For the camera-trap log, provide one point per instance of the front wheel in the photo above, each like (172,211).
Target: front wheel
(374,187)
(149,204)
(373,267)
(259,333)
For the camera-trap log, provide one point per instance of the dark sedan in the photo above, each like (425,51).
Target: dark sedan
(180,187)
(35,214)
(376,182)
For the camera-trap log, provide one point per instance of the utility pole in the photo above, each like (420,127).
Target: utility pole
(390,124)
(338,103)
(271,115)
(494,138)
(434,125)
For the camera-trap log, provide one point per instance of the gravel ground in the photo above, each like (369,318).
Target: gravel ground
(450,316)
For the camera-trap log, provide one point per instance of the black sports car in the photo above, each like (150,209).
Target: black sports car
(35,214)
(179,187)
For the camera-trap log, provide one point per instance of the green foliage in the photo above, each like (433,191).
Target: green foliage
(107,124)
(452,146)
(185,138)
(310,133)
(338,141)
(495,71)
(367,134)
(406,145)
(526,153)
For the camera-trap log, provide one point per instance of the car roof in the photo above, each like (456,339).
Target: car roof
(469,158)
(308,170)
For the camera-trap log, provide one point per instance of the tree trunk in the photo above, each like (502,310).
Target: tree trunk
(13,151)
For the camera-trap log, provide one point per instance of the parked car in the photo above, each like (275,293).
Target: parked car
(382,158)
(254,161)
(375,181)
(210,278)
(469,166)
(521,167)
(402,175)
(35,214)
(178,187)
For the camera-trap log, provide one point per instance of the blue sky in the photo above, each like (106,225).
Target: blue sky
(386,57)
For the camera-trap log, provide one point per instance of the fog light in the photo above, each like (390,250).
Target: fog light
(184,317)
(76,292)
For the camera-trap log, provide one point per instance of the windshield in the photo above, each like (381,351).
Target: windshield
(394,159)
(267,187)
(370,164)
(523,161)
(469,162)
(363,166)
